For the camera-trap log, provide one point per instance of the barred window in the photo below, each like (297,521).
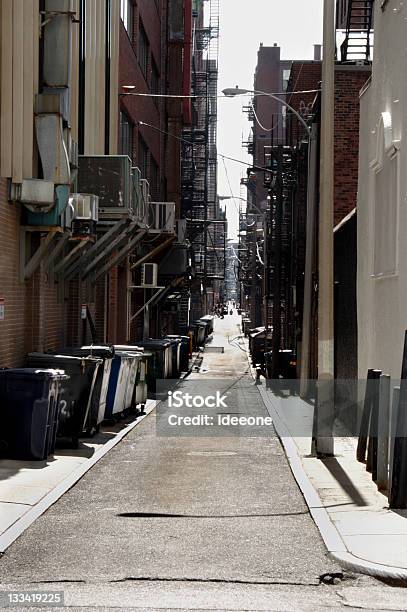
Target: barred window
(143,49)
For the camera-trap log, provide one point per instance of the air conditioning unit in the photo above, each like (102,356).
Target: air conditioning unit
(110,178)
(85,206)
(163,217)
(149,273)
(85,217)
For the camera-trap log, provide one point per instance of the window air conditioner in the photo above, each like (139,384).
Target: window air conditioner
(110,178)
(85,213)
(149,273)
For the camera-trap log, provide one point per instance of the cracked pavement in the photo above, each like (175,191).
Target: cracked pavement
(192,523)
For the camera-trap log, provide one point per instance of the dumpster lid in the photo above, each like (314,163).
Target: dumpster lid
(98,352)
(127,347)
(60,357)
(33,372)
(156,343)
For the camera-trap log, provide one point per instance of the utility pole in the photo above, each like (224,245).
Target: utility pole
(276,337)
(324,410)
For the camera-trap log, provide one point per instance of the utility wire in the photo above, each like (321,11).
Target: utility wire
(190,144)
(223,97)
(230,188)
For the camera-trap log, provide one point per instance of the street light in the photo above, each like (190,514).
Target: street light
(231,92)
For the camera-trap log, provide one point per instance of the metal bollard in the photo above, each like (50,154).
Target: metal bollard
(364,423)
(371,460)
(393,429)
(398,492)
(383,433)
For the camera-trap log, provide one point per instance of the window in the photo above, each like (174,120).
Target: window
(155,79)
(385,218)
(154,180)
(142,160)
(286,78)
(126,136)
(143,50)
(126,14)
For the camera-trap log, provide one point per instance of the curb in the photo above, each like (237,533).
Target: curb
(22,524)
(330,534)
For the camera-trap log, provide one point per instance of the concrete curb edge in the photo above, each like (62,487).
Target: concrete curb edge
(330,535)
(22,524)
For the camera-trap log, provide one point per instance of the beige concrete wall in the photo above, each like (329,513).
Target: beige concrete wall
(95,77)
(382,298)
(19,56)
(19,84)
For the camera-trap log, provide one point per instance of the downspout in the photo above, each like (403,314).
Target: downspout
(82,77)
(108,48)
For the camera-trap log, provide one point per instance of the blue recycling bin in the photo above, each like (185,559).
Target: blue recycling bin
(121,372)
(29,412)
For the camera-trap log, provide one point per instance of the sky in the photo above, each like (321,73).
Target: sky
(295,25)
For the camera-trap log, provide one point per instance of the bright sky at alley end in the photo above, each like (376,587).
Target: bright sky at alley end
(295,25)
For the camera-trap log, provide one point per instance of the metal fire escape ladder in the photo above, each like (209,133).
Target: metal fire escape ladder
(359,27)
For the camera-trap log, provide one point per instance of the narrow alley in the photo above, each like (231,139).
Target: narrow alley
(187,521)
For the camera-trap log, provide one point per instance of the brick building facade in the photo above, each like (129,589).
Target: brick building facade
(131,44)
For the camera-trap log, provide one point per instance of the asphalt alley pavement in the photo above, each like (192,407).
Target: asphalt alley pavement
(191,522)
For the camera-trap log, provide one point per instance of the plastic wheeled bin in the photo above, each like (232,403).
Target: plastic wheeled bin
(146,385)
(99,396)
(76,395)
(29,412)
(142,384)
(193,334)
(161,363)
(136,354)
(176,355)
(185,342)
(140,387)
(201,333)
(119,378)
(210,320)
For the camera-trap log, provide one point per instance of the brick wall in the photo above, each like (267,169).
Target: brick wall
(349,80)
(138,108)
(305,76)
(34,318)
(348,83)
(12,329)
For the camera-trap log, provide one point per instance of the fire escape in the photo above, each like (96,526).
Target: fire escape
(356,19)
(205,224)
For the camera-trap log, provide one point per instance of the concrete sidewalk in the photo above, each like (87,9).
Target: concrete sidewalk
(353,516)
(29,488)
